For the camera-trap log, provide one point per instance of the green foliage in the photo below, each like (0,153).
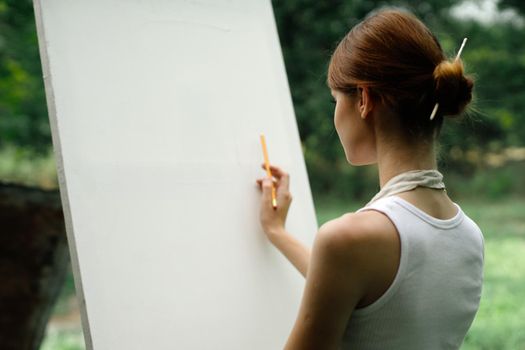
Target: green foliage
(23,114)
(65,339)
(309,31)
(488,184)
(500,322)
(23,165)
(518,5)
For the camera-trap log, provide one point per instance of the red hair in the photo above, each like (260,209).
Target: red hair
(402,63)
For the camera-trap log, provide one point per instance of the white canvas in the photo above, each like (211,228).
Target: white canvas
(156,109)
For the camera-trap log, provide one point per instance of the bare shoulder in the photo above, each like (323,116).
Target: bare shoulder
(365,227)
(369,244)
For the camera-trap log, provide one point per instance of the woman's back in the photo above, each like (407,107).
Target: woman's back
(435,294)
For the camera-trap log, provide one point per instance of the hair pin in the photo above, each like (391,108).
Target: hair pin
(433,114)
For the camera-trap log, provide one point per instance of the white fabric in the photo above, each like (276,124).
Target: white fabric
(435,294)
(408,180)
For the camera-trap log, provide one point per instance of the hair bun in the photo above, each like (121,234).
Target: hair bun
(453,89)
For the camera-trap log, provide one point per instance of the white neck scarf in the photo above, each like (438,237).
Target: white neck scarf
(409,180)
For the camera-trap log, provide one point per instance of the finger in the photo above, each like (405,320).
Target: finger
(281,189)
(282,176)
(284,183)
(267,190)
(259,181)
(275,170)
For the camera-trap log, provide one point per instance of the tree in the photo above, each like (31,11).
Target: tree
(518,5)
(23,114)
(33,263)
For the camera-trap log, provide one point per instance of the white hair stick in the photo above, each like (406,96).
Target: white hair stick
(433,114)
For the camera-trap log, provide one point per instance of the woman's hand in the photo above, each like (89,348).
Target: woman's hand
(273,220)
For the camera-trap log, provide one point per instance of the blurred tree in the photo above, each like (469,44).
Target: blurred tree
(515,4)
(33,263)
(23,114)
(309,31)
(33,245)
(495,55)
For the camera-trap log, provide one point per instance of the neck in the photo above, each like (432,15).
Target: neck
(394,159)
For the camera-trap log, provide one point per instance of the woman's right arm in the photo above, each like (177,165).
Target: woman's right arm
(293,249)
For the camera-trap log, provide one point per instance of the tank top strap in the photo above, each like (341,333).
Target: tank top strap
(381,204)
(395,206)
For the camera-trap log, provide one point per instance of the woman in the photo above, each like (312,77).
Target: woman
(406,270)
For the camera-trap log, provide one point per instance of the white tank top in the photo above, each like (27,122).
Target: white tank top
(436,291)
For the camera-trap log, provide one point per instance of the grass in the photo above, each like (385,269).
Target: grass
(63,339)
(500,322)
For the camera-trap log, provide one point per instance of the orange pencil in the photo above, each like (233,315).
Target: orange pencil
(268,172)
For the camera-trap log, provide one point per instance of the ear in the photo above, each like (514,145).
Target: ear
(365,101)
